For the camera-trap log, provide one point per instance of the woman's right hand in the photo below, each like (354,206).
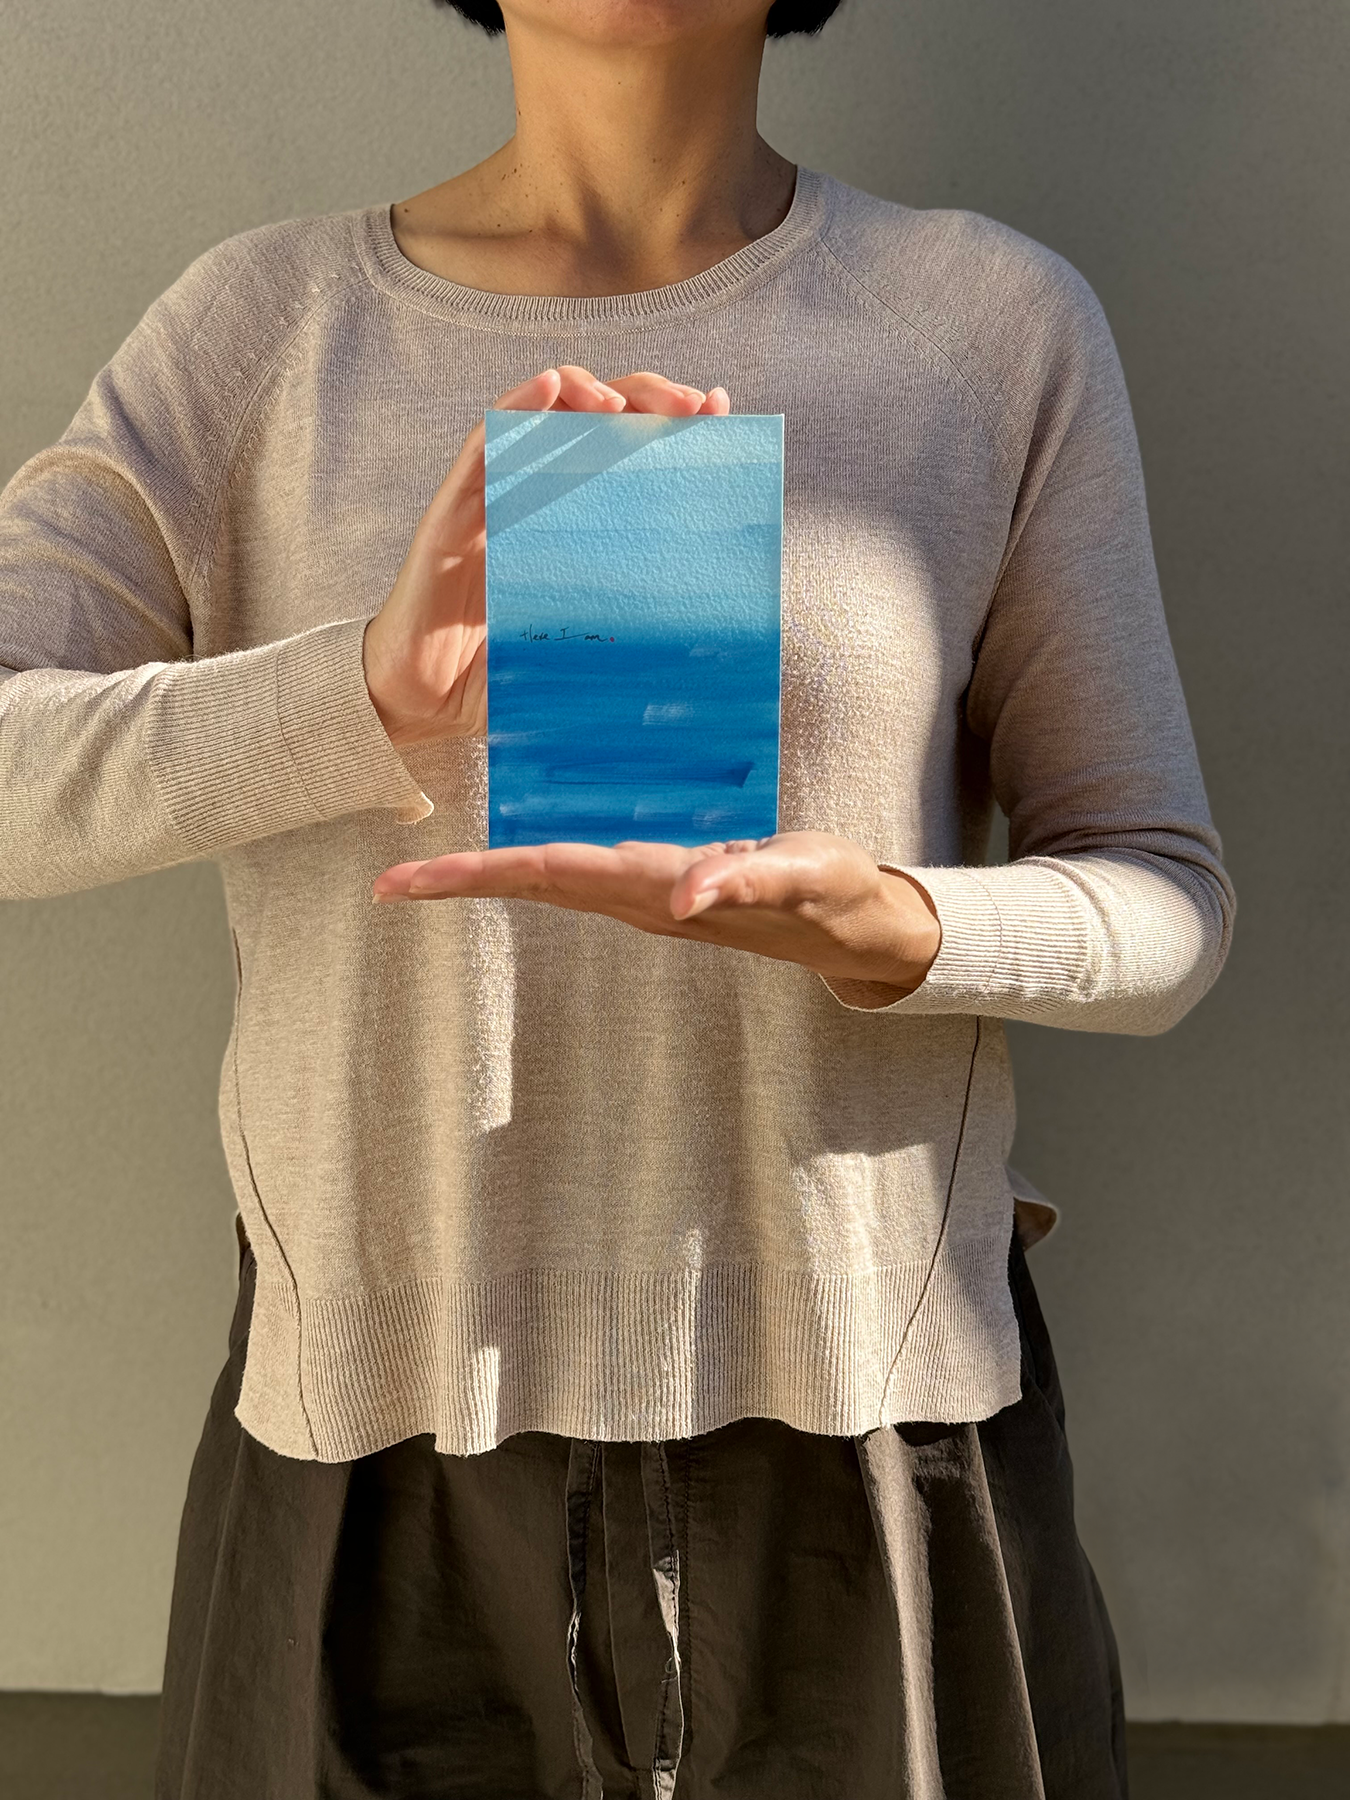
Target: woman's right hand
(425,651)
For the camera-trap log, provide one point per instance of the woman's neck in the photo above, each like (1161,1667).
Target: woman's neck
(629,169)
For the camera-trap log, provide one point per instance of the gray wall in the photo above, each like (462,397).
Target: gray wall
(1191,160)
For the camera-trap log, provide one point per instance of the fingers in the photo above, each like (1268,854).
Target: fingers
(651,393)
(732,875)
(464,479)
(626,878)
(535,395)
(469,695)
(570,388)
(707,882)
(530,872)
(567,388)
(461,875)
(583,392)
(393,883)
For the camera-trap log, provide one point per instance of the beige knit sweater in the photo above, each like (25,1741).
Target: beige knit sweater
(507,1167)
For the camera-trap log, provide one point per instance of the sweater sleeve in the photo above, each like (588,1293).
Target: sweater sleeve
(1114,912)
(119,751)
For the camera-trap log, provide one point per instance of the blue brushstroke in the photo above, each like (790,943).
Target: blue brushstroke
(633,579)
(604,771)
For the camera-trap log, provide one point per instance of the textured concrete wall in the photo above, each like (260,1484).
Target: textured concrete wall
(1191,161)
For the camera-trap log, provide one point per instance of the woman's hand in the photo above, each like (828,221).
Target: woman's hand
(425,651)
(802,897)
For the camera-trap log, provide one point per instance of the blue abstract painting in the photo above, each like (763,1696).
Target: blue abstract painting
(633,617)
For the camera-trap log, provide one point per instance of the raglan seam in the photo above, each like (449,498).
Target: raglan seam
(251,420)
(894,312)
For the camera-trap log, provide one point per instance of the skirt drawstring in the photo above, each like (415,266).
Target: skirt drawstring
(582,1462)
(665,1562)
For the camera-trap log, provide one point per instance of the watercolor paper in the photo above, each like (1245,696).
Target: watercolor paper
(633,610)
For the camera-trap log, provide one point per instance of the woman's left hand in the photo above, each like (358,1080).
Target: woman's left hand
(803,897)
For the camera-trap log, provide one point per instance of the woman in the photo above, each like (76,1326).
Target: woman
(636,1384)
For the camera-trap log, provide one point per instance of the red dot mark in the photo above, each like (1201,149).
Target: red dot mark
(611,640)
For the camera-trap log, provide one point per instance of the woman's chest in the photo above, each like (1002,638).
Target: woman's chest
(895,519)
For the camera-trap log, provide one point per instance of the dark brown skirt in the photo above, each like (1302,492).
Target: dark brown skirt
(757,1613)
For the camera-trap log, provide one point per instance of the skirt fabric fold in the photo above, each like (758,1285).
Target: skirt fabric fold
(756,1613)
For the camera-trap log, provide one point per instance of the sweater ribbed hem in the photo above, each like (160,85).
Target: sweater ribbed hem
(631,1354)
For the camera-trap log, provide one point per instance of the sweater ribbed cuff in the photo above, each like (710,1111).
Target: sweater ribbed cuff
(266,740)
(1013,937)
(340,749)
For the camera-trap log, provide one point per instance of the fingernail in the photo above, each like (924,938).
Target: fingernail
(709,897)
(607,393)
(694,393)
(382,899)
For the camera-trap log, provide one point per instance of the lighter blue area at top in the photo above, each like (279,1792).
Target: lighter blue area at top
(633,581)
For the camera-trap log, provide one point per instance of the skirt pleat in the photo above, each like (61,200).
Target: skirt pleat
(756,1613)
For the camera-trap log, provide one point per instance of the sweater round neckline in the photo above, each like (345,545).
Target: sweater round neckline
(390,269)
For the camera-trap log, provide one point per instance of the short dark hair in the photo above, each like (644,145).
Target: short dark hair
(786,17)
